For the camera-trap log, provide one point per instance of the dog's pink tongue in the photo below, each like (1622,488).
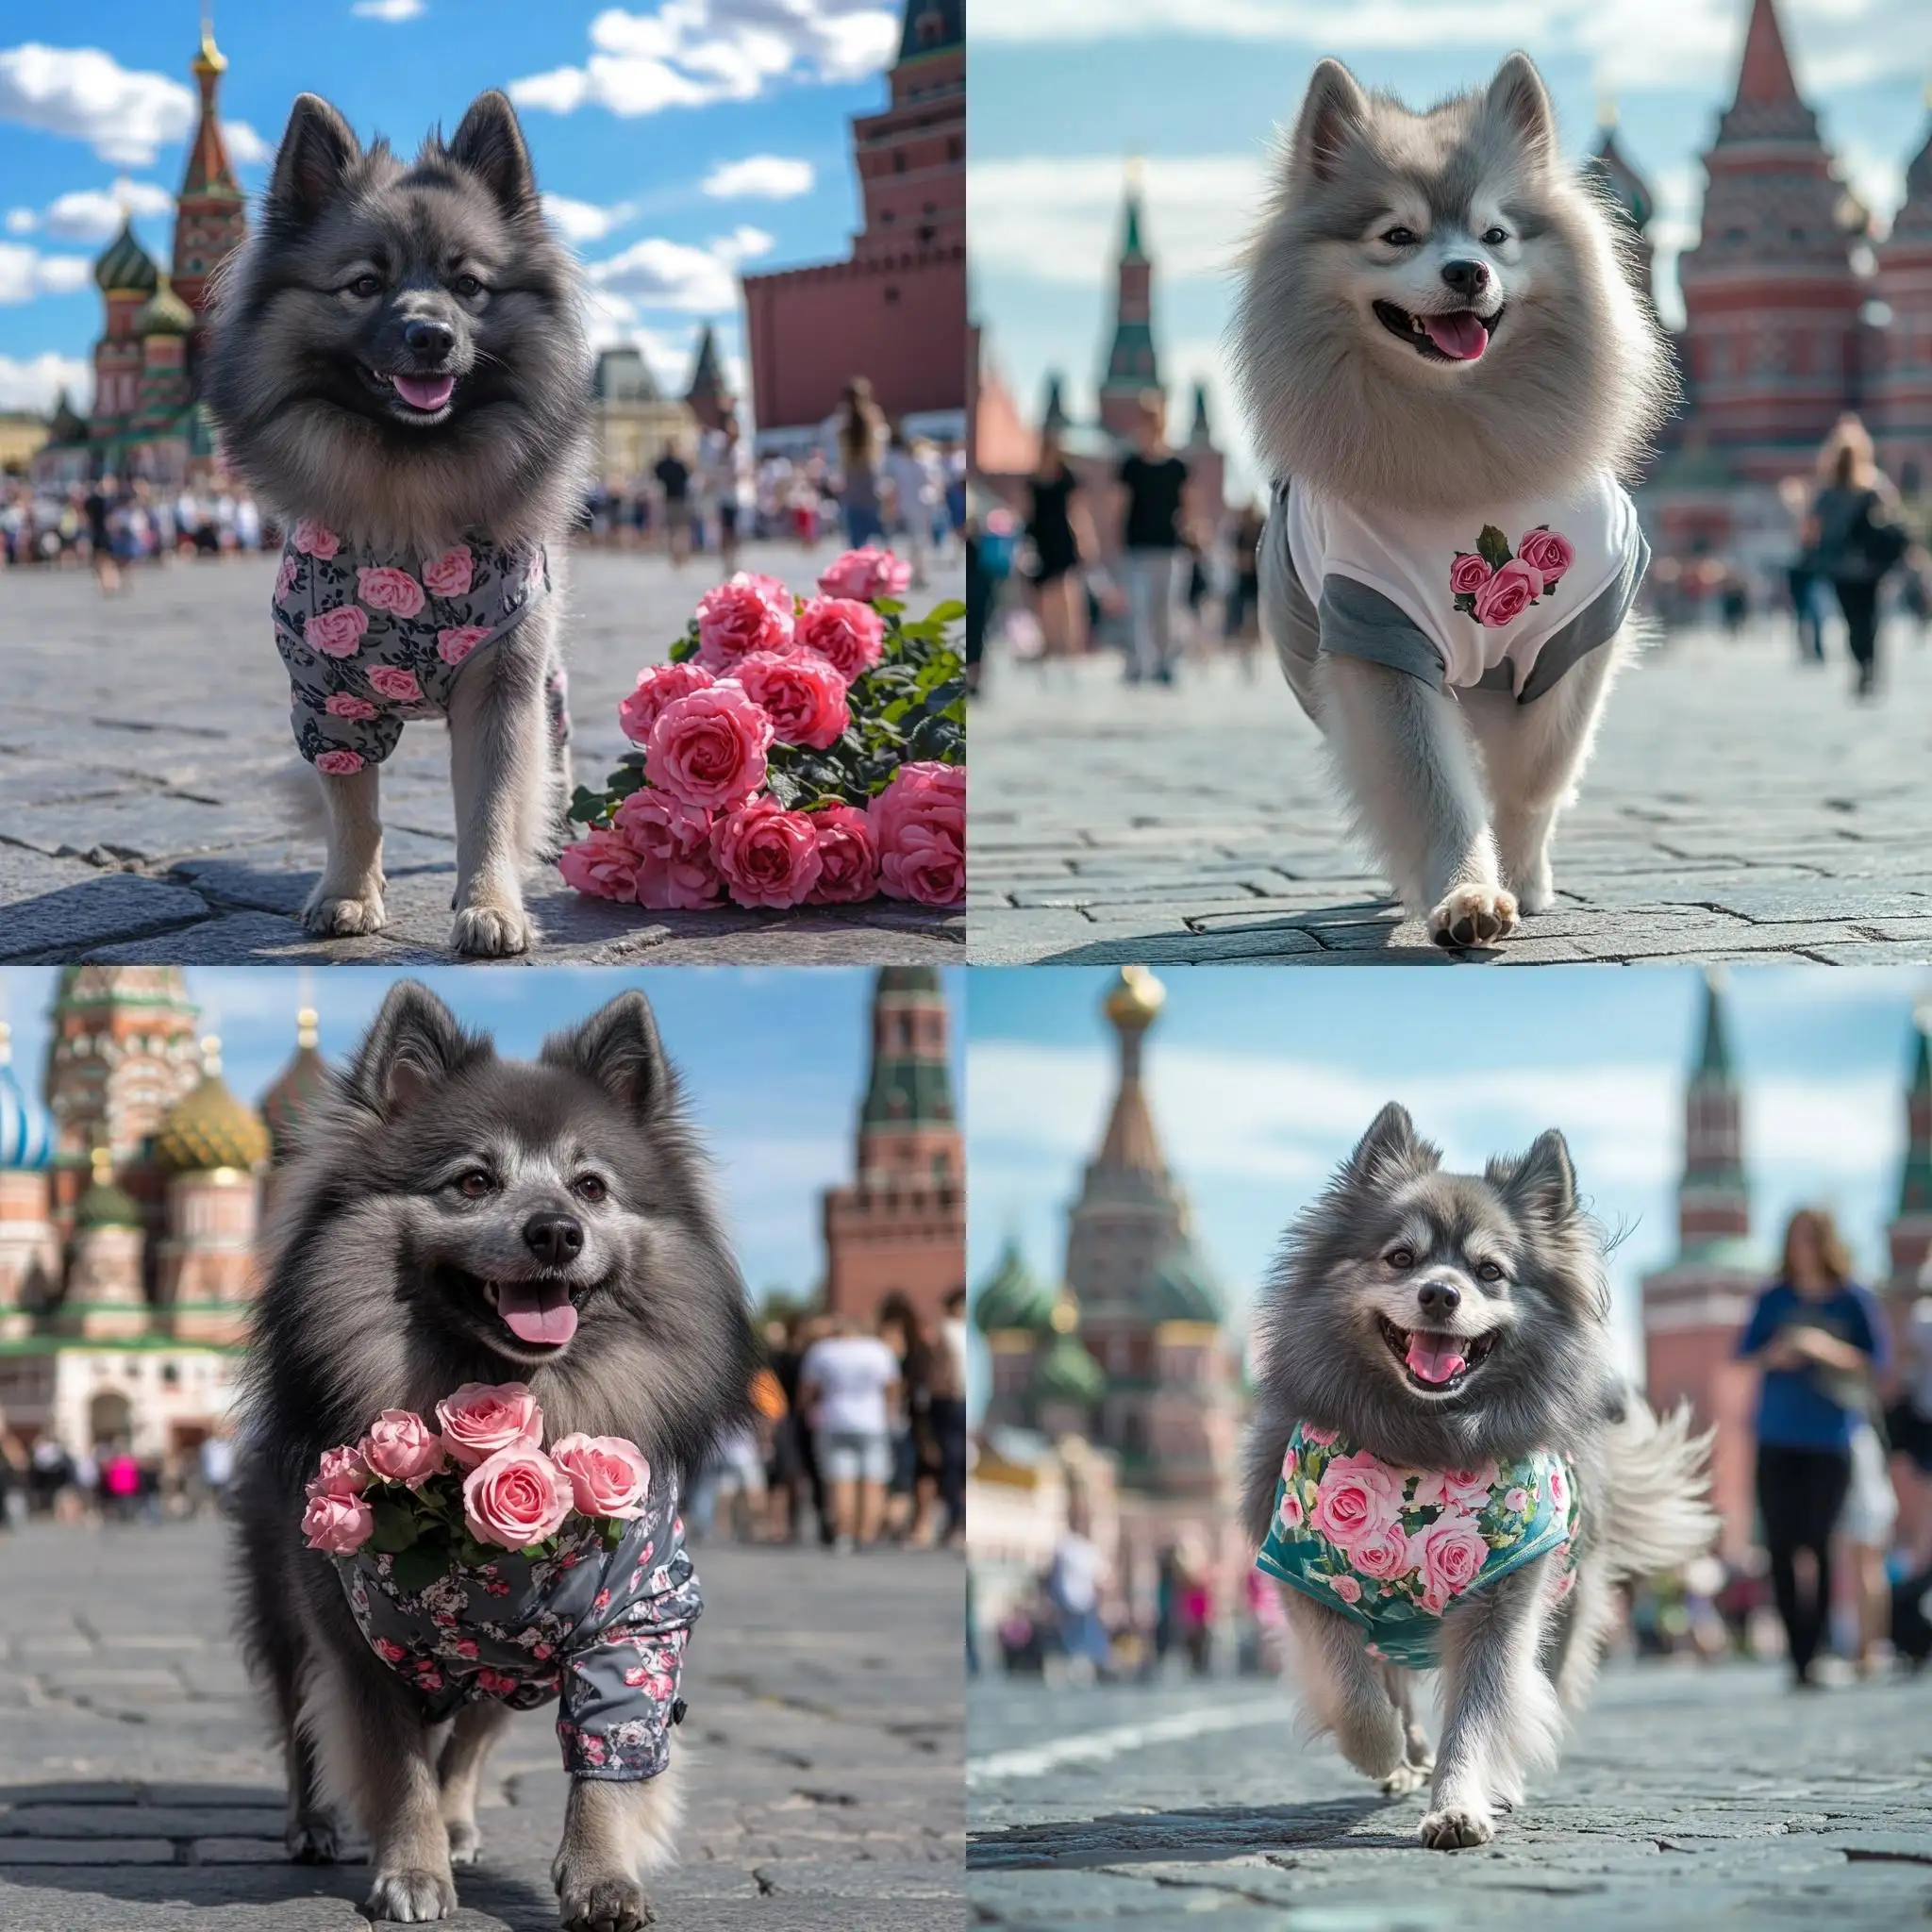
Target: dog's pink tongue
(424,392)
(1461,334)
(1434,1357)
(537,1311)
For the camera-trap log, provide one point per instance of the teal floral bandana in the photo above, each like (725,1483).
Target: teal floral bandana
(1391,1549)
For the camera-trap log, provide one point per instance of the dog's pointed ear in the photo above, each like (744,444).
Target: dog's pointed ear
(318,149)
(412,1048)
(1519,101)
(1389,1151)
(1333,111)
(1543,1182)
(618,1049)
(489,144)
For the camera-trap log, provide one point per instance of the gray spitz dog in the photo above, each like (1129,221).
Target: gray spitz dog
(398,355)
(1440,1322)
(1442,353)
(444,1206)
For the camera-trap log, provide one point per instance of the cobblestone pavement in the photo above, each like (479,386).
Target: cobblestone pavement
(139,1789)
(1686,1798)
(142,739)
(1739,806)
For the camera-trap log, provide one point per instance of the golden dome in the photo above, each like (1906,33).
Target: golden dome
(209,58)
(1136,1000)
(210,1129)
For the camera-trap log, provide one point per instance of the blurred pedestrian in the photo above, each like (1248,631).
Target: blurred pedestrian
(1866,1528)
(673,478)
(1859,539)
(1059,529)
(217,1461)
(1241,623)
(1909,1421)
(848,1384)
(915,1454)
(1074,1580)
(915,498)
(1155,482)
(99,510)
(949,1415)
(861,448)
(1819,1339)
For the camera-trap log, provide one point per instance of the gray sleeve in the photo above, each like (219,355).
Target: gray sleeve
(1597,622)
(1358,621)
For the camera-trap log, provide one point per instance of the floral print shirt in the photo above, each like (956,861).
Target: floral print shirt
(1391,1549)
(372,640)
(601,1629)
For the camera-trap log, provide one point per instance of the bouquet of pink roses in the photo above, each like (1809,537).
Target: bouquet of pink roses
(431,1500)
(794,751)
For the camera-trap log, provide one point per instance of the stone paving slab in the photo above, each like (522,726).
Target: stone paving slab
(142,816)
(822,1754)
(1739,806)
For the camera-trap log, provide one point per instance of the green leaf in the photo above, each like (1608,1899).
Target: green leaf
(613,1533)
(587,807)
(784,787)
(1493,547)
(419,1565)
(683,651)
(396,1526)
(952,612)
(471,1553)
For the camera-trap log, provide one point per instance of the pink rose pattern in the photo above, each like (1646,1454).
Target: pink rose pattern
(1496,588)
(372,640)
(709,748)
(919,821)
(766,854)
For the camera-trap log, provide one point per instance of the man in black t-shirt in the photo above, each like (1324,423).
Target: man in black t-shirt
(1155,481)
(673,477)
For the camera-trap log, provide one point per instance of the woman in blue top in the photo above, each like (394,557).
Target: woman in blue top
(1821,1342)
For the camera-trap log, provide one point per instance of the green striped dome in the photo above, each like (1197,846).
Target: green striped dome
(126,264)
(1012,1296)
(1066,1373)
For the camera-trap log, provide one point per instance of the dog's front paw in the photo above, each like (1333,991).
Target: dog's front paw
(313,1841)
(1473,916)
(492,931)
(1403,1779)
(412,1897)
(1455,1827)
(465,1842)
(329,915)
(604,1905)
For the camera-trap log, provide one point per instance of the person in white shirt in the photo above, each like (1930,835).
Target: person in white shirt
(847,1384)
(911,492)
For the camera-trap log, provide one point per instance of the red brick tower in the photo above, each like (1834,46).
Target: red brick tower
(1770,292)
(210,216)
(708,400)
(1131,363)
(912,156)
(902,1224)
(1911,1229)
(1902,395)
(1694,1308)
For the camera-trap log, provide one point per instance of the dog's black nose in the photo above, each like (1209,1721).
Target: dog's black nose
(1468,279)
(424,336)
(554,1239)
(1437,1298)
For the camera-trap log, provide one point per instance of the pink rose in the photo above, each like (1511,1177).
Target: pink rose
(339,1524)
(340,764)
(603,864)
(1559,1488)
(1291,1515)
(493,1683)
(766,854)
(1508,594)
(1321,1438)
(662,826)
(848,856)
(1356,1495)
(709,748)
(285,577)
(662,684)
(466,1648)
(608,1475)
(402,1448)
(1548,553)
(1449,1557)
(484,1417)
(1381,1552)
(394,682)
(449,574)
(1287,1465)
(390,1650)
(690,884)
(341,1473)
(866,573)
(1346,1588)
(920,823)
(1468,573)
(803,695)
(383,588)
(847,634)
(1456,1488)
(517,1498)
(741,615)
(316,539)
(341,705)
(336,633)
(453,646)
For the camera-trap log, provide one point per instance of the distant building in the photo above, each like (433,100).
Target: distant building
(23,435)
(901,1224)
(895,310)
(708,397)
(632,419)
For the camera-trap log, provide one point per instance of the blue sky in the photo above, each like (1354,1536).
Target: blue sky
(775,1061)
(1061,92)
(681,138)
(1260,1081)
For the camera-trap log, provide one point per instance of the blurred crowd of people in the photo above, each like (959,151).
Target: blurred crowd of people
(111,525)
(108,1481)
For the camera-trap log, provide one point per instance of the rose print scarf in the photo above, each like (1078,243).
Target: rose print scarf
(602,1628)
(1391,1549)
(372,640)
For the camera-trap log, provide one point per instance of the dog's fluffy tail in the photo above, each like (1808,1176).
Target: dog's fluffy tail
(1658,1512)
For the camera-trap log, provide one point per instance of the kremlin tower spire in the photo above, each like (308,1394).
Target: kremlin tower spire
(210,217)
(1911,1230)
(1131,364)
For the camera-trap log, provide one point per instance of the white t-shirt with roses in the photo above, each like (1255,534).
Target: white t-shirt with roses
(1480,597)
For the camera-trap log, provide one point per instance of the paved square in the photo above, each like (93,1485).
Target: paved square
(138,1791)
(142,739)
(1739,806)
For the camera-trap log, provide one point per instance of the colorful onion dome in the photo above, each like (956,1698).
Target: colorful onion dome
(1185,1289)
(1067,1372)
(210,1129)
(164,313)
(27,1129)
(105,1202)
(126,264)
(1136,999)
(1013,1297)
(296,1088)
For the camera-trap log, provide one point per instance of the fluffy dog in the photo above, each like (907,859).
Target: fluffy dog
(1454,1325)
(399,368)
(1445,364)
(412,1250)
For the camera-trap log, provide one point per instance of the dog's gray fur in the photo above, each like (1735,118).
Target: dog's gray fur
(288,338)
(373,1300)
(1512,1665)
(1456,796)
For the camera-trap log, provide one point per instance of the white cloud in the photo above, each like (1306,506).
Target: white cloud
(1360,24)
(657,274)
(690,53)
(36,383)
(764,177)
(247,148)
(742,244)
(84,94)
(22,221)
(25,272)
(92,214)
(584,220)
(390,10)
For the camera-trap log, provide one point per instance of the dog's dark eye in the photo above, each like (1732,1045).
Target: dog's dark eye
(474,1185)
(588,1187)
(1490,1271)
(366,286)
(1494,237)
(467,285)
(1399,237)
(1400,1258)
